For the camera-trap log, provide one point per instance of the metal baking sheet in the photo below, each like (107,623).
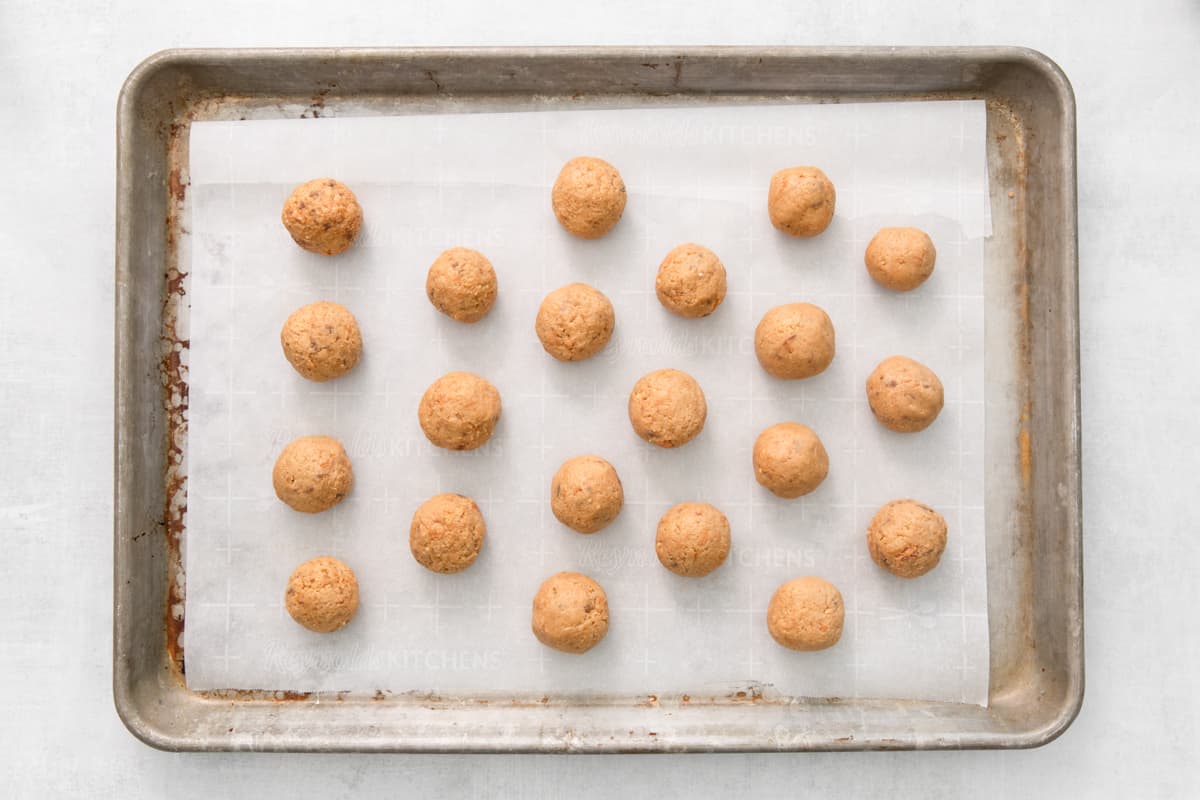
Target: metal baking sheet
(1033,531)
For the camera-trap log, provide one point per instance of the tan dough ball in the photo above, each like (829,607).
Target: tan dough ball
(321,340)
(323,216)
(905,395)
(907,538)
(322,594)
(900,258)
(313,474)
(801,201)
(586,494)
(462,284)
(794,341)
(447,533)
(570,613)
(692,539)
(588,197)
(459,411)
(691,281)
(667,408)
(790,460)
(806,614)
(575,322)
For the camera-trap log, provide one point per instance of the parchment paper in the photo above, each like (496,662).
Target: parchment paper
(483,181)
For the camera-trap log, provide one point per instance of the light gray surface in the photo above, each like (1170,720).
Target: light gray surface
(1138,203)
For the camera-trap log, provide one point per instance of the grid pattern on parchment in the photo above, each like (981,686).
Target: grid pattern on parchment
(482,181)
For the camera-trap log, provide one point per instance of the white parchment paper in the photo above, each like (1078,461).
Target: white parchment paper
(483,181)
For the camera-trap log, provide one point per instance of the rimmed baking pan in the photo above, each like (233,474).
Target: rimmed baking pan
(1033,528)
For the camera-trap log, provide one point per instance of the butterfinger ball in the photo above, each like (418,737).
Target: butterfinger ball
(800,201)
(667,408)
(459,411)
(323,216)
(570,613)
(905,395)
(900,258)
(790,460)
(588,197)
(794,341)
(312,474)
(806,614)
(322,594)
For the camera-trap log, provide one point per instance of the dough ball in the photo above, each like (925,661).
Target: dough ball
(321,340)
(900,258)
(323,216)
(667,408)
(322,594)
(790,460)
(800,201)
(313,474)
(570,613)
(447,533)
(462,284)
(806,614)
(904,394)
(794,341)
(907,538)
(459,411)
(588,197)
(693,539)
(586,494)
(691,281)
(575,322)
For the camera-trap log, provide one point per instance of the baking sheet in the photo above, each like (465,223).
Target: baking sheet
(699,174)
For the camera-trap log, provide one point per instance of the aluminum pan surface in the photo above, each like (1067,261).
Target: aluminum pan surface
(1036,691)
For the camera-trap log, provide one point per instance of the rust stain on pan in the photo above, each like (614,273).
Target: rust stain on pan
(752,694)
(173,374)
(255,694)
(173,371)
(1026,447)
(1024,440)
(1016,145)
(316,108)
(177,187)
(1016,174)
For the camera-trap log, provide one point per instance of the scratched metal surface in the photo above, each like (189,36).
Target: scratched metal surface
(1033,526)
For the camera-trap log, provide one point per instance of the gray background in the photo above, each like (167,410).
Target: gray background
(1134,71)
